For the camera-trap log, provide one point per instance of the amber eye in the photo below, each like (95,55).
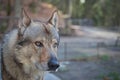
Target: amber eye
(55,45)
(38,44)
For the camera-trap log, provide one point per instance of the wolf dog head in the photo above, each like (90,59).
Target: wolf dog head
(38,43)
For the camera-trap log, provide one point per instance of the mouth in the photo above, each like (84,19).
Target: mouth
(53,70)
(45,68)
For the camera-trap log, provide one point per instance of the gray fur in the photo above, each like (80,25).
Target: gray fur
(23,62)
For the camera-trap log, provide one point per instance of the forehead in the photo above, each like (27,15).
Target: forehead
(38,30)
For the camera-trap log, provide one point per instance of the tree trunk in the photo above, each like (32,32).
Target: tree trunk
(13,20)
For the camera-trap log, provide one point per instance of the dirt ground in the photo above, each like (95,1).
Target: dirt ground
(105,67)
(97,69)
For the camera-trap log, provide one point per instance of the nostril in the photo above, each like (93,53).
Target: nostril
(53,65)
(57,65)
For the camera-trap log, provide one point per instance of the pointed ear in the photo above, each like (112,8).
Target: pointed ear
(25,19)
(54,19)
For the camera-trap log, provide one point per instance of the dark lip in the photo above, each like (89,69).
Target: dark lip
(51,70)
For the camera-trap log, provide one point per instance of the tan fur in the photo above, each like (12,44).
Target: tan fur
(28,61)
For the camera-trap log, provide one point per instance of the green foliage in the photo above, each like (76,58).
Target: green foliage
(33,6)
(0,7)
(105,57)
(114,75)
(8,9)
(61,4)
(109,76)
(3,27)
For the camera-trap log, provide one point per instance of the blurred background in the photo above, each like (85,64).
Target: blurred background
(90,34)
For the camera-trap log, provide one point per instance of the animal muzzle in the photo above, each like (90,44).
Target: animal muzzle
(53,64)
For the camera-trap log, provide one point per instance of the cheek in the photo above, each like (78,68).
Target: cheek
(56,49)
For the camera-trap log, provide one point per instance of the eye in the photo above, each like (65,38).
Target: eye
(38,44)
(55,45)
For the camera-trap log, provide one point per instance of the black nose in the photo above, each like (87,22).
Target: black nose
(53,64)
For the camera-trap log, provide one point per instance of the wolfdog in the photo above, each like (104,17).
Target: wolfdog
(30,50)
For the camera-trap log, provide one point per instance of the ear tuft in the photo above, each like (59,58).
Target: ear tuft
(54,19)
(25,19)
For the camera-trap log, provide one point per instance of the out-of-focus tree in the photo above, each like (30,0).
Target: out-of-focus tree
(102,12)
(61,4)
